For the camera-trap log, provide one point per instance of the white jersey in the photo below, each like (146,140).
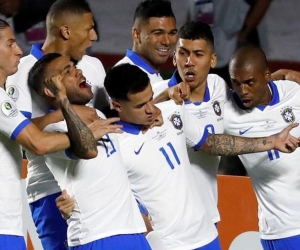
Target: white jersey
(209,114)
(275,176)
(12,123)
(134,59)
(40,181)
(162,180)
(104,203)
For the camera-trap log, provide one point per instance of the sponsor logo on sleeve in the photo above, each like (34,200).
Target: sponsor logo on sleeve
(13,92)
(9,108)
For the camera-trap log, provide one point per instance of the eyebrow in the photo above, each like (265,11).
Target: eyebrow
(194,51)
(67,67)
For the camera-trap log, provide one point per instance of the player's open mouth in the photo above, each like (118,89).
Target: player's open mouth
(189,76)
(83,84)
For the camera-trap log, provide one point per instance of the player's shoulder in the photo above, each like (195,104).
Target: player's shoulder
(26,63)
(286,87)
(125,59)
(215,81)
(169,107)
(91,61)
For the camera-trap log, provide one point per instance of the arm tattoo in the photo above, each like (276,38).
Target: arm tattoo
(81,137)
(233,145)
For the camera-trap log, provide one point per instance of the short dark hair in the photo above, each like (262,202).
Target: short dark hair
(194,30)
(153,8)
(37,73)
(62,7)
(125,79)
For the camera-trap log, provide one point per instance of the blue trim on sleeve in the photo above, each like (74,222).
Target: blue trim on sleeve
(69,154)
(130,128)
(19,128)
(203,139)
(137,60)
(26,114)
(142,209)
(36,51)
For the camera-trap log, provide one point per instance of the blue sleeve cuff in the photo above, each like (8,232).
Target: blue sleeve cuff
(18,129)
(203,139)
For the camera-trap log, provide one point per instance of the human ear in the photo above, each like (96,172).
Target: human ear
(65,32)
(116,105)
(136,35)
(213,60)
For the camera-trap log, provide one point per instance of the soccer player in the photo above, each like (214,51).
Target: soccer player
(70,31)
(17,129)
(163,180)
(260,106)
(194,56)
(154,36)
(106,215)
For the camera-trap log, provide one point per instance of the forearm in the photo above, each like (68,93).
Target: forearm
(41,143)
(83,143)
(233,145)
(255,15)
(162,97)
(43,121)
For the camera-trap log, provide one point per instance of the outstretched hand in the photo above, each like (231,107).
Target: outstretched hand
(285,142)
(101,127)
(65,204)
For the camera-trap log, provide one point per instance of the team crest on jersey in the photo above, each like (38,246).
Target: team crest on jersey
(9,109)
(176,121)
(13,92)
(287,114)
(217,108)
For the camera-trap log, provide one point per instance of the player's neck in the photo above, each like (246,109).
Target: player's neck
(197,94)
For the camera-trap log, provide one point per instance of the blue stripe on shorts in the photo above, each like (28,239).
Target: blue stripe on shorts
(289,243)
(117,242)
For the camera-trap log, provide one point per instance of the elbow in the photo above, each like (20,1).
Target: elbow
(39,149)
(86,154)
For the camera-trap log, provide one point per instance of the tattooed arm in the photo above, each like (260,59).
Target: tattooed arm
(83,143)
(232,145)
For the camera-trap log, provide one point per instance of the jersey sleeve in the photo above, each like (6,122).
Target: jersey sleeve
(18,89)
(195,133)
(12,122)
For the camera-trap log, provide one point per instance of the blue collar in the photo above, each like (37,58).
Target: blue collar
(175,79)
(130,128)
(36,51)
(275,98)
(137,60)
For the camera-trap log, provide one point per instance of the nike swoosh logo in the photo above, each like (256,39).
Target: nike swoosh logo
(137,152)
(241,132)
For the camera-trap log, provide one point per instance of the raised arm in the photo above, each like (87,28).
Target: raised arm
(233,145)
(83,143)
